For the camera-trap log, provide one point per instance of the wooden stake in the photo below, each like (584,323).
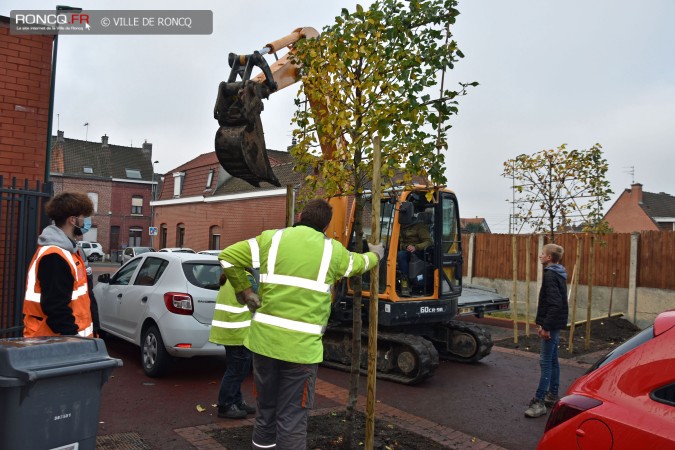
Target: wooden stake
(573,287)
(591,268)
(374,290)
(527,286)
(514,307)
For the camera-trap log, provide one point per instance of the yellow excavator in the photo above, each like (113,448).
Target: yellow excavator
(417,308)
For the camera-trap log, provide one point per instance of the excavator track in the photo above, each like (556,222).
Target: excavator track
(401,358)
(461,341)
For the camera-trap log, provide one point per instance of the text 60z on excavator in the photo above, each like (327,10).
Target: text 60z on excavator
(418,304)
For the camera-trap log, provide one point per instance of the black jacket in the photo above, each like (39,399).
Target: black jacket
(552,309)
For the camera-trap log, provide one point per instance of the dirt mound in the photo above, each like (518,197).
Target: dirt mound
(606,334)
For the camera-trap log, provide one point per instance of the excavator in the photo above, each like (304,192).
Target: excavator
(416,326)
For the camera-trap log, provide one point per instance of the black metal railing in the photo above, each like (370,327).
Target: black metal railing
(22,218)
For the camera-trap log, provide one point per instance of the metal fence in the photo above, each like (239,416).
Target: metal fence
(22,218)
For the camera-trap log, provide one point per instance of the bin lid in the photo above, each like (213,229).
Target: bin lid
(25,357)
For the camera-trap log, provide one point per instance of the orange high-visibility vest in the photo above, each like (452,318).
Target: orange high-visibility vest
(34,319)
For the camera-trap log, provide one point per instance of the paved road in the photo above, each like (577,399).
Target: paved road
(485,400)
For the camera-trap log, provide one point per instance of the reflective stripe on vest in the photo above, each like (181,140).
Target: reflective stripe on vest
(293,325)
(87,331)
(32,295)
(318,285)
(232,309)
(232,325)
(255,253)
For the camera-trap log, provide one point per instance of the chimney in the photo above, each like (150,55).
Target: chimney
(104,140)
(636,191)
(59,136)
(147,150)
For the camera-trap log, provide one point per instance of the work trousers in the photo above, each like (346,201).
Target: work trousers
(284,396)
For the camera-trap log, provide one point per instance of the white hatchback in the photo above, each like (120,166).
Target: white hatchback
(164,303)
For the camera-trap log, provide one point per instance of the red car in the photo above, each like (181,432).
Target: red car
(626,401)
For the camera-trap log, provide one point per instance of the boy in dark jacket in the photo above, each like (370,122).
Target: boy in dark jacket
(551,318)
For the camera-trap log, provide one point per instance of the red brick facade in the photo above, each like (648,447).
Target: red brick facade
(235,220)
(626,214)
(25,76)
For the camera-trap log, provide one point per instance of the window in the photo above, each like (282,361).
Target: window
(180,235)
(178,181)
(214,237)
(162,235)
(123,276)
(93,196)
(209,179)
(87,169)
(151,271)
(203,275)
(136,204)
(133,173)
(135,234)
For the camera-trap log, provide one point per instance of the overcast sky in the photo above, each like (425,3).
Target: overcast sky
(550,72)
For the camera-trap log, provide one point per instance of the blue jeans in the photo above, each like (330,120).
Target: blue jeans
(238,359)
(403,262)
(549,381)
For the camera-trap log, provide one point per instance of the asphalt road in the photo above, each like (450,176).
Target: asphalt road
(485,400)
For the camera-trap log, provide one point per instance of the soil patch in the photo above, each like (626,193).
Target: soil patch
(326,432)
(606,334)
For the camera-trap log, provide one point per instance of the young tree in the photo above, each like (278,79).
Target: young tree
(374,73)
(559,188)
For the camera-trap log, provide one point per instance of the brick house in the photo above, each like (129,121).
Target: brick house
(118,179)
(25,78)
(201,206)
(636,210)
(472,225)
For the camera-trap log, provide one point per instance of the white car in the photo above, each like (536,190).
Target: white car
(177,250)
(210,252)
(92,250)
(164,303)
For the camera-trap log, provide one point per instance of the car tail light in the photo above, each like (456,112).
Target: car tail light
(569,407)
(179,303)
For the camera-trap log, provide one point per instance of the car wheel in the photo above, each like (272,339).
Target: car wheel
(94,257)
(155,358)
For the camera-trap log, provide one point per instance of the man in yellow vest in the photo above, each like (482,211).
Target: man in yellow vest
(57,297)
(229,327)
(298,267)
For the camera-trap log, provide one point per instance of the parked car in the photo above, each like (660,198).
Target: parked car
(625,401)
(131,252)
(210,252)
(92,250)
(177,250)
(164,303)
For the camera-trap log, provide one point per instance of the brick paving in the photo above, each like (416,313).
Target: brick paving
(200,439)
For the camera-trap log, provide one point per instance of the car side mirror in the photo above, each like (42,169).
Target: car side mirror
(104,278)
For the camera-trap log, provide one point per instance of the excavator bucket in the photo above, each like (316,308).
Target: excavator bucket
(240,141)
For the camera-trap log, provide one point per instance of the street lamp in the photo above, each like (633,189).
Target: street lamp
(152,200)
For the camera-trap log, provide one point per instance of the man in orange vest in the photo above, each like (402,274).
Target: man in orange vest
(57,297)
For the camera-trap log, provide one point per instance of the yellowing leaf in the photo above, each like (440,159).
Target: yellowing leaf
(200,408)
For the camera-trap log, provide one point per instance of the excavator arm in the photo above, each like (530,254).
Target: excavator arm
(240,140)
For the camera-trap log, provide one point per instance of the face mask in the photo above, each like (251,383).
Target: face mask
(86,226)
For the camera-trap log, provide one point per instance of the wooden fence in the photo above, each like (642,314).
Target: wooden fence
(493,257)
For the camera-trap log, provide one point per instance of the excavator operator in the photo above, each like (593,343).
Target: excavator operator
(414,237)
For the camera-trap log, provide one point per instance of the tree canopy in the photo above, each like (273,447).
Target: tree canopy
(560,188)
(377,71)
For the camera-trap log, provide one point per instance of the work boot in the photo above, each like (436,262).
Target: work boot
(550,400)
(243,406)
(536,409)
(405,287)
(231,412)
